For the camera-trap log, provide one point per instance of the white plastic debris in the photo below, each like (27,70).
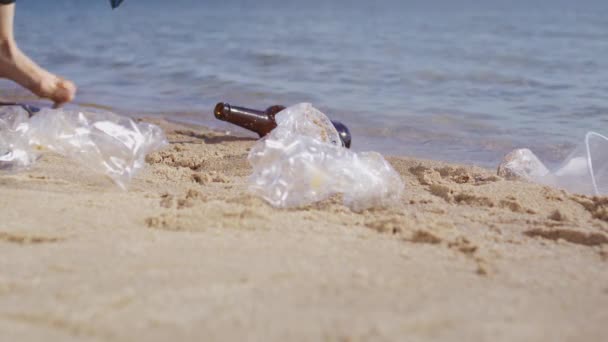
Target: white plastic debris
(301,161)
(102,141)
(15,150)
(585,171)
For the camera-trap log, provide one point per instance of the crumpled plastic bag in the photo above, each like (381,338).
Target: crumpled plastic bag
(585,171)
(102,141)
(302,161)
(14,149)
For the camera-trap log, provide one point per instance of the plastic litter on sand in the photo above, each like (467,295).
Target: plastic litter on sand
(301,162)
(102,141)
(585,171)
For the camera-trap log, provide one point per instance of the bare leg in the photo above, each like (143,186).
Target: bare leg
(16,66)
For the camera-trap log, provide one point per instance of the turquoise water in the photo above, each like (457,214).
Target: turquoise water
(463,82)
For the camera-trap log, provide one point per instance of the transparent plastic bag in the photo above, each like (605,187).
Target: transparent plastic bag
(301,161)
(102,141)
(15,151)
(585,171)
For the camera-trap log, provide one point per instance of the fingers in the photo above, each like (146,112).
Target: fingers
(65,92)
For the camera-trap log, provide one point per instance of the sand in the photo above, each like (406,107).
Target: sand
(188,254)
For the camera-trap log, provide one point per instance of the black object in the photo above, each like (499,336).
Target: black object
(115,3)
(344,133)
(262,122)
(31,110)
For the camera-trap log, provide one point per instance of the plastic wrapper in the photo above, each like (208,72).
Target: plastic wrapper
(102,141)
(15,150)
(585,171)
(301,162)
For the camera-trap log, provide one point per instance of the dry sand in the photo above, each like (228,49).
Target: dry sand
(188,254)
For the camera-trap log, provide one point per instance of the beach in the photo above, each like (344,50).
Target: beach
(187,253)
(443,90)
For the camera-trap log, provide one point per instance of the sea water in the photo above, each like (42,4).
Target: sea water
(464,81)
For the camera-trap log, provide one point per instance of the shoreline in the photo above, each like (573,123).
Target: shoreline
(188,252)
(363,140)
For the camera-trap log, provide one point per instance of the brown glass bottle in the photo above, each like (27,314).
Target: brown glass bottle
(262,122)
